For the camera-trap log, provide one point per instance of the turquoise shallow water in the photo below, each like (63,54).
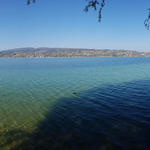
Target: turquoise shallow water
(67,103)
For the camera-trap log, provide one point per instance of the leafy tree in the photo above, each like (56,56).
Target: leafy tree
(99,5)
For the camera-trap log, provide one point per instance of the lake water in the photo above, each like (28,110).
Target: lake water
(75,104)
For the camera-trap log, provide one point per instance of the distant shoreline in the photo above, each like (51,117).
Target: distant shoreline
(69,53)
(73,57)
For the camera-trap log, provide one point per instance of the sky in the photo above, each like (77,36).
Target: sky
(64,24)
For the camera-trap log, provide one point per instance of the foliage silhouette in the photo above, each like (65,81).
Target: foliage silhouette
(99,4)
(147,21)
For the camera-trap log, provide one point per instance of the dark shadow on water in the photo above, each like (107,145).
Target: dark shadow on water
(115,117)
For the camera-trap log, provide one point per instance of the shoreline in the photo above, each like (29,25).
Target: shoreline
(85,57)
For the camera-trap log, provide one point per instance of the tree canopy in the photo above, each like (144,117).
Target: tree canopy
(99,5)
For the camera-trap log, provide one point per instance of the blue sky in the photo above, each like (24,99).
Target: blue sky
(63,23)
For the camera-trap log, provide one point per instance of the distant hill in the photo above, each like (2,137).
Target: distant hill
(70,52)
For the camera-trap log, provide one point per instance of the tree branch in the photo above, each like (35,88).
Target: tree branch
(95,4)
(30,1)
(99,4)
(147,21)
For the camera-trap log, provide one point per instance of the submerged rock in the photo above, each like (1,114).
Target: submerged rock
(74,93)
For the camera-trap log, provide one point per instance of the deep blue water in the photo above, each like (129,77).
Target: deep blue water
(75,104)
